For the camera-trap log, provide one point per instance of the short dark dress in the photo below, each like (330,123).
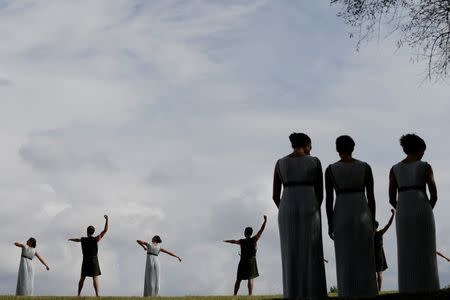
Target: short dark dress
(247,269)
(90,266)
(380,258)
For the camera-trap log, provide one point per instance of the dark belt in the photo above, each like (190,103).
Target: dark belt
(298,183)
(412,188)
(152,254)
(350,191)
(26,257)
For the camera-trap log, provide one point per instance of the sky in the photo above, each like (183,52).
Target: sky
(169,116)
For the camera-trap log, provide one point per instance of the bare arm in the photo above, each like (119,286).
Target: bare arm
(383,231)
(370,193)
(443,256)
(41,259)
(17,244)
(258,235)
(143,244)
(429,177)
(75,240)
(232,241)
(329,200)
(102,234)
(318,185)
(276,193)
(170,253)
(392,189)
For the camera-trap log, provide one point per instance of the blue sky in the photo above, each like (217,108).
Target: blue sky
(170,115)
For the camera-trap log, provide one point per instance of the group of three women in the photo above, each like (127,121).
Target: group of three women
(351,220)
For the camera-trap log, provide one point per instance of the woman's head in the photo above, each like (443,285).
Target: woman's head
(90,230)
(345,145)
(31,242)
(413,144)
(156,239)
(248,232)
(300,140)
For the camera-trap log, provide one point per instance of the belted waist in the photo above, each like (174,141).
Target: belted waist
(412,188)
(152,254)
(298,183)
(26,257)
(350,191)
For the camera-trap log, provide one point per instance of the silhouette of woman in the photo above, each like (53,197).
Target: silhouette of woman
(299,220)
(380,258)
(25,279)
(247,268)
(351,221)
(416,233)
(152,268)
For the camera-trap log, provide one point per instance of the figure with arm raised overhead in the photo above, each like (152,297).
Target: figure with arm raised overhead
(380,257)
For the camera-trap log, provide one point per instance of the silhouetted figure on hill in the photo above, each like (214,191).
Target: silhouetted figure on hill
(380,257)
(416,233)
(299,220)
(351,221)
(90,266)
(247,268)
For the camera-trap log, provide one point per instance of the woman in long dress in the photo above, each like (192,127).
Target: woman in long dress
(416,233)
(299,220)
(25,279)
(152,268)
(351,221)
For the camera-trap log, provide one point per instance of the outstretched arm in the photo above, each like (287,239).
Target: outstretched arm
(393,189)
(232,241)
(276,193)
(143,244)
(41,259)
(75,240)
(370,193)
(429,177)
(443,256)
(329,200)
(258,235)
(17,244)
(383,231)
(170,253)
(102,234)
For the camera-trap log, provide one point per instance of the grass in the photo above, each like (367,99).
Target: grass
(440,295)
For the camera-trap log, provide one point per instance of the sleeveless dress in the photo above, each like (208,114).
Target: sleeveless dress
(416,233)
(25,279)
(380,257)
(353,231)
(247,268)
(90,266)
(300,227)
(152,271)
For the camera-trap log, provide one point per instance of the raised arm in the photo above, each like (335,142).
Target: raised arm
(276,193)
(443,256)
(232,241)
(258,235)
(318,185)
(370,193)
(170,253)
(143,244)
(17,244)
(383,231)
(102,234)
(429,177)
(393,189)
(329,200)
(75,240)
(41,259)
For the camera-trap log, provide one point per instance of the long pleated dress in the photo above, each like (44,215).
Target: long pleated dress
(353,231)
(299,222)
(416,233)
(152,271)
(25,279)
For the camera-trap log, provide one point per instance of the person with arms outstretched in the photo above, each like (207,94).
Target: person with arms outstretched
(89,246)
(25,279)
(380,257)
(247,268)
(152,268)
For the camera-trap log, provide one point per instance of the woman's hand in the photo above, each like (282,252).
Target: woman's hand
(179,259)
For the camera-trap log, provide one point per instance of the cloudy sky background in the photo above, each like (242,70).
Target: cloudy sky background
(170,115)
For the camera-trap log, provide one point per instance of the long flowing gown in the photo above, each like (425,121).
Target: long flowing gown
(416,233)
(299,222)
(152,271)
(25,279)
(353,231)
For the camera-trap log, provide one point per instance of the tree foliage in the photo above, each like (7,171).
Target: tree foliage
(423,25)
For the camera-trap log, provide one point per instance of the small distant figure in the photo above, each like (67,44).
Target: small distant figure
(443,256)
(89,246)
(152,268)
(247,268)
(380,257)
(25,279)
